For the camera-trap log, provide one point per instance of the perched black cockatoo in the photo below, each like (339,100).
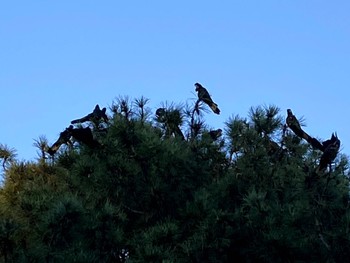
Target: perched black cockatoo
(95,116)
(330,141)
(83,135)
(203,95)
(64,138)
(331,149)
(215,134)
(294,124)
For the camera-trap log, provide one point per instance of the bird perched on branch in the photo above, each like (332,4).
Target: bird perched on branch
(330,141)
(215,134)
(83,135)
(294,125)
(95,116)
(331,149)
(64,138)
(203,95)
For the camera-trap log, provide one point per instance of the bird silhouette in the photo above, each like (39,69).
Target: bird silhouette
(95,116)
(215,134)
(331,149)
(64,138)
(203,95)
(294,125)
(83,135)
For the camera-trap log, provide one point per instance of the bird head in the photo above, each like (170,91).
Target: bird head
(334,137)
(335,140)
(96,109)
(104,115)
(198,86)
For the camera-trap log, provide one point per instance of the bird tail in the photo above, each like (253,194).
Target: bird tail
(298,131)
(215,108)
(75,121)
(316,144)
(81,120)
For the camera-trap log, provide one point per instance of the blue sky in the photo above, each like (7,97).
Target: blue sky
(58,59)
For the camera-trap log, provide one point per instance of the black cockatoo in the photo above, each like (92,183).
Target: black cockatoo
(331,141)
(294,124)
(64,138)
(215,134)
(95,116)
(83,135)
(331,149)
(203,95)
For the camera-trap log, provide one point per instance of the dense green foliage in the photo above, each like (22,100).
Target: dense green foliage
(146,195)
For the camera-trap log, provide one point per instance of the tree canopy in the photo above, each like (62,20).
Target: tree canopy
(165,187)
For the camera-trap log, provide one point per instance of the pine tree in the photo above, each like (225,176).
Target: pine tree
(7,155)
(148,195)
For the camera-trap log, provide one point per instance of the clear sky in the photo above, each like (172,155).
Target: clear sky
(58,59)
